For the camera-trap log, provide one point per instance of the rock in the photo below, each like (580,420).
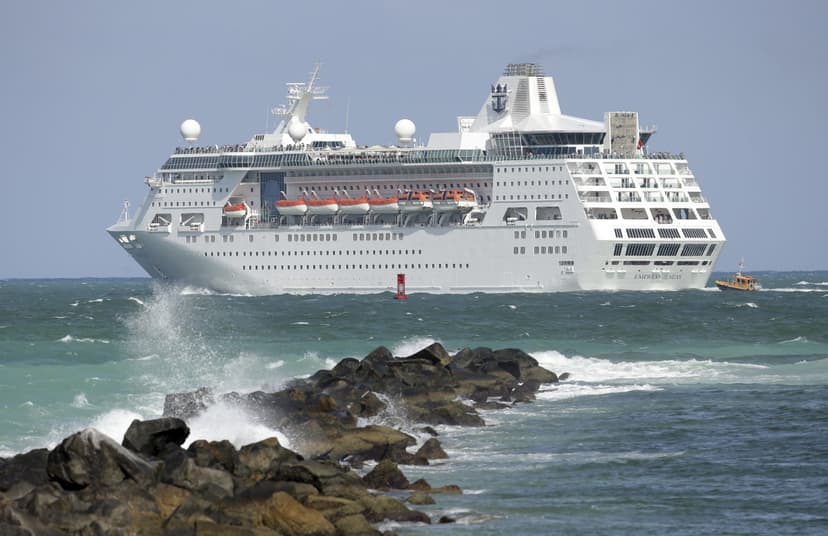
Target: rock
(420,485)
(182,471)
(432,450)
(90,457)
(29,467)
(279,512)
(420,499)
(215,454)
(265,455)
(564,376)
(382,507)
(428,430)
(155,436)
(188,405)
(369,443)
(355,525)
(434,353)
(369,405)
(386,475)
(446,519)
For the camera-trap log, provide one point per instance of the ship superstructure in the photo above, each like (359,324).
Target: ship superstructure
(520,198)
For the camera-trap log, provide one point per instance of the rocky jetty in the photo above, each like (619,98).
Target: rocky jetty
(149,484)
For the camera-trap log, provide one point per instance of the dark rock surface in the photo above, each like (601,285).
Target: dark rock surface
(90,484)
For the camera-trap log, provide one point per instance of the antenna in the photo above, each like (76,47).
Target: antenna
(347,114)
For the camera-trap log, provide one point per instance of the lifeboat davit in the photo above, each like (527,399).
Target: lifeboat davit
(359,205)
(323,206)
(384,205)
(454,200)
(292,207)
(239,210)
(415,202)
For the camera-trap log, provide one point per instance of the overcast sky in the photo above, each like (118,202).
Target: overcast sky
(92,94)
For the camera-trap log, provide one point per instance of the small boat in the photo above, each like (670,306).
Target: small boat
(452,200)
(359,205)
(239,210)
(384,205)
(739,281)
(323,206)
(292,207)
(415,202)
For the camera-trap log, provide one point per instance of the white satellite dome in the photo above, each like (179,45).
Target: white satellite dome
(405,129)
(297,130)
(190,130)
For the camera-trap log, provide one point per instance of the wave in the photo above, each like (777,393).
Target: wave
(815,283)
(411,345)
(565,391)
(223,421)
(136,300)
(590,369)
(70,338)
(80,401)
(795,339)
(748,304)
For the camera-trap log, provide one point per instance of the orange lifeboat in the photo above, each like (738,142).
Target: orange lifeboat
(292,207)
(359,205)
(235,211)
(384,205)
(416,202)
(323,206)
(451,200)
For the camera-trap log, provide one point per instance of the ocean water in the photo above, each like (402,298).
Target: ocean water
(691,412)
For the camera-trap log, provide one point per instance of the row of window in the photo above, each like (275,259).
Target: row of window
(189,190)
(437,266)
(660,263)
(392,187)
(667,232)
(530,197)
(664,250)
(528,169)
(543,234)
(313,253)
(528,183)
(186,204)
(543,250)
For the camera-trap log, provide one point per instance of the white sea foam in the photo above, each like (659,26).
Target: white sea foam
(80,401)
(136,300)
(96,300)
(815,283)
(221,421)
(564,391)
(115,423)
(411,345)
(70,338)
(748,304)
(594,370)
(275,364)
(795,339)
(300,323)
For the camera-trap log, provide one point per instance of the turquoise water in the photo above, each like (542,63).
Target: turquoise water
(692,412)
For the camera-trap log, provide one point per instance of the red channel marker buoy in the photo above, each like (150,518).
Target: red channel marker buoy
(400,295)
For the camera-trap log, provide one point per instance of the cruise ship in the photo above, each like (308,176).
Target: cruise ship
(519,198)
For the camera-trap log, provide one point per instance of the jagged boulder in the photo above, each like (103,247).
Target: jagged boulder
(92,458)
(154,437)
(385,476)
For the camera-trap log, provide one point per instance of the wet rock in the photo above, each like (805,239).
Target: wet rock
(215,454)
(29,467)
(355,525)
(154,437)
(385,476)
(432,450)
(420,499)
(92,458)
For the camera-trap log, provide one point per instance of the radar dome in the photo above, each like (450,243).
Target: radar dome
(405,129)
(297,130)
(190,130)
